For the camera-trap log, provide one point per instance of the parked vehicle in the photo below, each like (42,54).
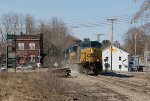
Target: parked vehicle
(136,68)
(2,68)
(140,68)
(24,67)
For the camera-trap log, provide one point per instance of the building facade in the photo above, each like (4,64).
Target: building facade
(147,58)
(28,48)
(120,59)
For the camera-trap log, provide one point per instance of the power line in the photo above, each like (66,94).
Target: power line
(126,18)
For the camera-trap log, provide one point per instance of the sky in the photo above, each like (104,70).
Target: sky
(84,18)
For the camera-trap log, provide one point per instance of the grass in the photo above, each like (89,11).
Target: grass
(41,86)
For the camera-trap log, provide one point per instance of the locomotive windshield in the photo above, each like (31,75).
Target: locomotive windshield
(90,44)
(95,44)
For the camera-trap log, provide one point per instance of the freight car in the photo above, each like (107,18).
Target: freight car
(88,55)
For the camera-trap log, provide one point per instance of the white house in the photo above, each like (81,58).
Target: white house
(120,59)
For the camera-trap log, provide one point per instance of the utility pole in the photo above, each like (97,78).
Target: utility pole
(111,37)
(135,35)
(146,57)
(98,36)
(6,53)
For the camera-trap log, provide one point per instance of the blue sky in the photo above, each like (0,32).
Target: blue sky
(83,17)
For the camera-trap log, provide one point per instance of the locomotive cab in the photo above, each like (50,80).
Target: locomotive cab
(91,57)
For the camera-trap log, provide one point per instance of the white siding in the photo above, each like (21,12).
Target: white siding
(124,62)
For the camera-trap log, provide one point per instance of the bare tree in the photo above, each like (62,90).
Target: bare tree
(105,44)
(144,11)
(29,22)
(145,28)
(12,23)
(55,37)
(55,33)
(142,31)
(7,22)
(21,24)
(143,15)
(117,44)
(140,41)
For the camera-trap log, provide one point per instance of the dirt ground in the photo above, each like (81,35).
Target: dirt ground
(43,86)
(111,86)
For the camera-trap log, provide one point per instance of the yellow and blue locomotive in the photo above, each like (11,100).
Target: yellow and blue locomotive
(88,55)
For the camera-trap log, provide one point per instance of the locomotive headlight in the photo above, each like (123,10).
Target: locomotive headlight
(97,59)
(91,50)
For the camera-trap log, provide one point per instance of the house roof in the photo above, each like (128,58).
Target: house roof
(71,37)
(117,48)
(27,37)
(72,40)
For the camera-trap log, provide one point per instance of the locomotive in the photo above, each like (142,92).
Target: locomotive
(88,55)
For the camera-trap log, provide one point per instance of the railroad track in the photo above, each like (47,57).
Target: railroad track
(122,83)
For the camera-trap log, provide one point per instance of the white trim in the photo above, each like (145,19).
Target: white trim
(26,39)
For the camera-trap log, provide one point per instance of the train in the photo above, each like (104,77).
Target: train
(88,55)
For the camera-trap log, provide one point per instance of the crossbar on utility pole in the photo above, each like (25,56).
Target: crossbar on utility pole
(111,37)
(98,36)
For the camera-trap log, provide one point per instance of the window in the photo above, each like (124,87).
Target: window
(31,46)
(32,58)
(95,44)
(120,66)
(20,46)
(119,58)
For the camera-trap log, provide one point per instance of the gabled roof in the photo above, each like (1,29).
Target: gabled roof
(117,48)
(72,40)
(71,37)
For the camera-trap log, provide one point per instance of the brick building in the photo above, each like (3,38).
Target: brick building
(29,48)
